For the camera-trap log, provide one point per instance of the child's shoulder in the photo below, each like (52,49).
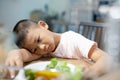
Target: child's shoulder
(69,32)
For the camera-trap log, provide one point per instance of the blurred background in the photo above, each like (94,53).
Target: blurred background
(12,11)
(63,15)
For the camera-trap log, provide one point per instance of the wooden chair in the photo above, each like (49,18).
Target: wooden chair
(93,31)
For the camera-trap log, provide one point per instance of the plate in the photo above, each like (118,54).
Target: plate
(37,66)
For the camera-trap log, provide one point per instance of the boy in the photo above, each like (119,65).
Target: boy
(35,40)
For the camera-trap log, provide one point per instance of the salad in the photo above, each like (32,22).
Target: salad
(55,70)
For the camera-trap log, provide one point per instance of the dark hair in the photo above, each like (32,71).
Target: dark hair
(21,30)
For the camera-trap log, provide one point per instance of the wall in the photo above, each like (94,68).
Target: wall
(12,11)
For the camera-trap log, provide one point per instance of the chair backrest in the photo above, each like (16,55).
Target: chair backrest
(93,31)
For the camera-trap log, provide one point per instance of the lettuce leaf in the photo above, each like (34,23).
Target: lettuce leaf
(58,65)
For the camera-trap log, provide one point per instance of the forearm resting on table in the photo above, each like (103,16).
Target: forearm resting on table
(96,54)
(27,56)
(101,59)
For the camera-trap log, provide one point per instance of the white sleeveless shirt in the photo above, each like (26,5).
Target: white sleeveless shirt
(73,45)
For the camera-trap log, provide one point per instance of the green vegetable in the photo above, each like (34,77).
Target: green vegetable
(58,65)
(30,74)
(53,63)
(71,76)
(76,75)
(78,69)
(62,66)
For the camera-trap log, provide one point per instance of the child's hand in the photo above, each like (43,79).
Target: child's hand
(89,74)
(17,58)
(92,72)
(14,58)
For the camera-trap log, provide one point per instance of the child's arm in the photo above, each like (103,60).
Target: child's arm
(101,65)
(96,54)
(27,56)
(17,58)
(23,54)
(101,59)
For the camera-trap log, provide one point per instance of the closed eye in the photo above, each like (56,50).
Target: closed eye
(38,40)
(31,50)
(35,50)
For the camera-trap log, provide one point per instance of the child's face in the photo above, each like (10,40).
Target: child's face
(39,41)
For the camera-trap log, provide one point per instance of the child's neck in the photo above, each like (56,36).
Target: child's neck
(57,38)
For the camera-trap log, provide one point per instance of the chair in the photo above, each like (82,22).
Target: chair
(93,31)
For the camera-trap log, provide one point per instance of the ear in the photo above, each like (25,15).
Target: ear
(43,24)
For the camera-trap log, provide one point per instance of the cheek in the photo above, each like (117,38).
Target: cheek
(51,47)
(41,52)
